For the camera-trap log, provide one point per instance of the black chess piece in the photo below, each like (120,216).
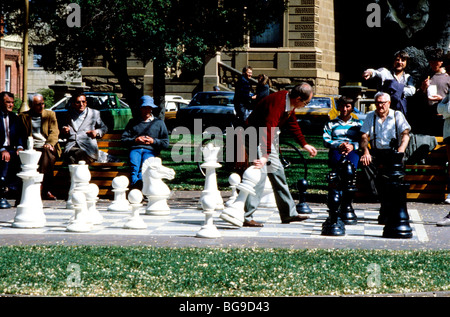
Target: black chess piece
(341,189)
(347,175)
(394,201)
(333,225)
(4,204)
(302,207)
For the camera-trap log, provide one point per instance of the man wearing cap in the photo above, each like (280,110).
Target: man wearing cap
(146,136)
(81,126)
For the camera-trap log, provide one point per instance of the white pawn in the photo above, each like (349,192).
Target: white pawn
(268,197)
(208,230)
(234,180)
(135,221)
(234,214)
(91,200)
(120,202)
(80,221)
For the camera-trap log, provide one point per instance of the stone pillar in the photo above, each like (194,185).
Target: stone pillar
(211,77)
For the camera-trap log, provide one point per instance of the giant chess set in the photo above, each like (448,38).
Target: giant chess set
(129,214)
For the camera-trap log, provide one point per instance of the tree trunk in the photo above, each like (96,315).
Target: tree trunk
(159,87)
(131,93)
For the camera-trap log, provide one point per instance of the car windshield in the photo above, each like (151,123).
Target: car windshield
(319,102)
(212,100)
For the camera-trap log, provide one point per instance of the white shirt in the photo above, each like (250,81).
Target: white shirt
(385,130)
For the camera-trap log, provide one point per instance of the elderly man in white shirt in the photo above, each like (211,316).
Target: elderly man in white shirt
(388,132)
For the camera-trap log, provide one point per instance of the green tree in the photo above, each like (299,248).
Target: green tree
(167,32)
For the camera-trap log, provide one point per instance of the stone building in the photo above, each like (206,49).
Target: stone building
(299,47)
(11,74)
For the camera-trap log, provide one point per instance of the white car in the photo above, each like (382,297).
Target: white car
(172,102)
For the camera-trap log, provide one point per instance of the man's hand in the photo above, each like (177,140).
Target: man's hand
(49,146)
(259,163)
(366,159)
(6,156)
(311,150)
(66,129)
(367,74)
(144,139)
(345,147)
(92,134)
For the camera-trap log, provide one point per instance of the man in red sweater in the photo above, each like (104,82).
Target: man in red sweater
(272,113)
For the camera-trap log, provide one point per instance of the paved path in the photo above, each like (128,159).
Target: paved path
(180,227)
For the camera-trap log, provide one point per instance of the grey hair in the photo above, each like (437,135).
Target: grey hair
(34,96)
(380,94)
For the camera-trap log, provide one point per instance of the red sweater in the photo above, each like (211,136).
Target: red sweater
(270,113)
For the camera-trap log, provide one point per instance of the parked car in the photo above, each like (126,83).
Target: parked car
(322,108)
(114,112)
(214,108)
(172,105)
(173,102)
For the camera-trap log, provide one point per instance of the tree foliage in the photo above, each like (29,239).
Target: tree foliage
(167,32)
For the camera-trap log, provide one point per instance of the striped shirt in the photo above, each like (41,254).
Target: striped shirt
(337,131)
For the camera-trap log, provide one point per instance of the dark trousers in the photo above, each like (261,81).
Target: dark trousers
(46,167)
(75,154)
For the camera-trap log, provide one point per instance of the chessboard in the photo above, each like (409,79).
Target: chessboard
(188,221)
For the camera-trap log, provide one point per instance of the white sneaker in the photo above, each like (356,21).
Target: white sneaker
(447,200)
(444,222)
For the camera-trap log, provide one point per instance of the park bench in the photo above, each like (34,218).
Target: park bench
(102,174)
(428,181)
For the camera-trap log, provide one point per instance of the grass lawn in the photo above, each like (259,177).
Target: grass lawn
(148,271)
(188,176)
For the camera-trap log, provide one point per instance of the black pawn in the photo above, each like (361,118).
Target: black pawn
(302,206)
(3,189)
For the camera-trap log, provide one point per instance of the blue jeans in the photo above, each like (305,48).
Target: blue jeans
(137,157)
(335,155)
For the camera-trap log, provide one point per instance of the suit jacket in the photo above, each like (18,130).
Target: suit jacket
(16,131)
(49,127)
(270,113)
(78,137)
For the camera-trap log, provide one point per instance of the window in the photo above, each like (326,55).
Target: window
(8,78)
(271,37)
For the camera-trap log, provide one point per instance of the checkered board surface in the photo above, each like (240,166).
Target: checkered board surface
(188,221)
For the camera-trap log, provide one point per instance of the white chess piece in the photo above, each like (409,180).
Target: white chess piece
(80,221)
(210,154)
(234,180)
(234,214)
(91,199)
(208,230)
(268,197)
(156,191)
(120,187)
(135,221)
(30,213)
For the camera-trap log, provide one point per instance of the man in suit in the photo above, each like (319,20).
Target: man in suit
(11,142)
(41,124)
(81,125)
(272,113)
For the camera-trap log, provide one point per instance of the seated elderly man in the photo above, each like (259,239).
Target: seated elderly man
(146,136)
(81,126)
(388,132)
(41,124)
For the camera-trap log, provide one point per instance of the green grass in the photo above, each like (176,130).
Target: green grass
(149,271)
(188,177)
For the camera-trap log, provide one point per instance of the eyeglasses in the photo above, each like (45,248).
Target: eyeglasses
(382,103)
(306,102)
